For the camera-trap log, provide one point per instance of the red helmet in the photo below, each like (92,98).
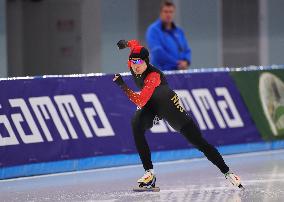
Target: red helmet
(136,50)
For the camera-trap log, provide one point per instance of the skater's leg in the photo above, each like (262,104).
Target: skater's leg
(178,118)
(142,120)
(194,136)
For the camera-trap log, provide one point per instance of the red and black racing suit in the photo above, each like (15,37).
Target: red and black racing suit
(156,98)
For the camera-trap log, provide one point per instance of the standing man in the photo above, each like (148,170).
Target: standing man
(167,43)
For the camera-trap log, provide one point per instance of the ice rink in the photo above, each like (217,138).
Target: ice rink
(262,174)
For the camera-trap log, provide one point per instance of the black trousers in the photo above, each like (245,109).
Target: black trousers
(171,111)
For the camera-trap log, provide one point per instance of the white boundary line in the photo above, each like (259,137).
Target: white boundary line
(135,166)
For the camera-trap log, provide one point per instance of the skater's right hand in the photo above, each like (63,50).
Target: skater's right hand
(131,44)
(122,44)
(118,80)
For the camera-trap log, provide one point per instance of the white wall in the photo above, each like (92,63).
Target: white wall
(91,36)
(38,46)
(52,39)
(15,38)
(3,47)
(275,31)
(44,37)
(119,21)
(201,23)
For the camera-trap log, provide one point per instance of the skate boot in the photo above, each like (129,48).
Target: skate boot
(147,182)
(234,179)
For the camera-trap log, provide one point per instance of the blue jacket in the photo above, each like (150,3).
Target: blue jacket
(167,46)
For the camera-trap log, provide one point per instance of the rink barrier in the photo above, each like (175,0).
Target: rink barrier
(197,70)
(23,161)
(130,159)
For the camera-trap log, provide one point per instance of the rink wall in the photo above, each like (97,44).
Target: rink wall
(54,124)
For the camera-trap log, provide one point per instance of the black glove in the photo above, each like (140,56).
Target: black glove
(122,44)
(119,81)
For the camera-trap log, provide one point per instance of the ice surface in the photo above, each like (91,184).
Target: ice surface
(262,175)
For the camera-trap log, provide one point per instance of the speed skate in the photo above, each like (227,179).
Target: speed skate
(145,189)
(147,182)
(234,179)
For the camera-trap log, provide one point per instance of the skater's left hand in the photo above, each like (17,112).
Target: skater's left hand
(183,64)
(118,80)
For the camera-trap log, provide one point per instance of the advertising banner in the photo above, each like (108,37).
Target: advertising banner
(263,93)
(60,118)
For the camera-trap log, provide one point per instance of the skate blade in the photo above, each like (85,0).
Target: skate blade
(145,189)
(241,187)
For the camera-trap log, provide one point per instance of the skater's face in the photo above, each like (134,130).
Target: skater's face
(138,65)
(167,14)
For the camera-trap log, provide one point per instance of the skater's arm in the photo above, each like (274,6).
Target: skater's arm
(140,99)
(150,83)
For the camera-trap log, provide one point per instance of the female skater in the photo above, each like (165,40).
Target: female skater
(156,99)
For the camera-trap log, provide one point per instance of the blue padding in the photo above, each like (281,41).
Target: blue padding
(127,159)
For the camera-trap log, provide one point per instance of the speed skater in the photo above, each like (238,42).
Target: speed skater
(157,99)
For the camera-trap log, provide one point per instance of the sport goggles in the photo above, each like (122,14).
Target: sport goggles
(136,61)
